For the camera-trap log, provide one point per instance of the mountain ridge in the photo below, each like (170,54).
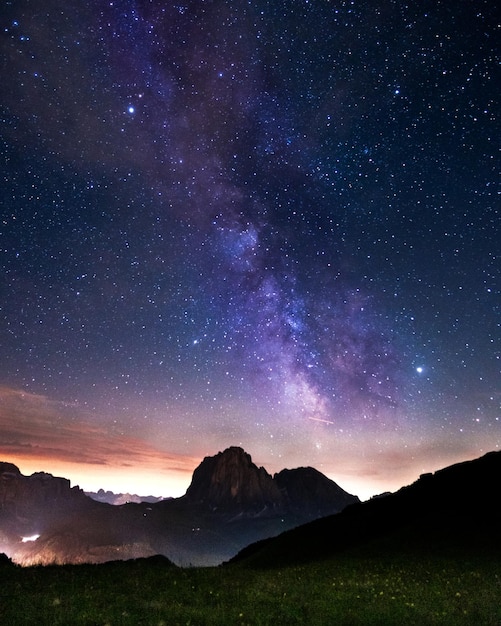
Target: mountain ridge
(110,497)
(230,480)
(229,504)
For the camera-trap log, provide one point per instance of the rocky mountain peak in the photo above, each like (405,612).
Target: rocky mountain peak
(231,482)
(230,479)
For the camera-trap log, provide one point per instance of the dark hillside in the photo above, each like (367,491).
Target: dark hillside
(458,507)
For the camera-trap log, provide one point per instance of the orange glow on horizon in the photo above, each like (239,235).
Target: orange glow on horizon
(140,481)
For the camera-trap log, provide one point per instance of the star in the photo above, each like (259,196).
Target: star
(307,240)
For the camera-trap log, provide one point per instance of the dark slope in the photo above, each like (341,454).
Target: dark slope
(456,508)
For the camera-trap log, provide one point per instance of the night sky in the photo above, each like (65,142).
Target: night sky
(255,223)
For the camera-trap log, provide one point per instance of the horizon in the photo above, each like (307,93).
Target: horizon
(124,486)
(234,223)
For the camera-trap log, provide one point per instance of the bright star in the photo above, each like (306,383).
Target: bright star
(419,370)
(131,109)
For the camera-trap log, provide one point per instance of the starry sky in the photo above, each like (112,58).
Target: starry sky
(255,223)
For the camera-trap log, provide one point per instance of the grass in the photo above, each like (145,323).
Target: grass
(345,590)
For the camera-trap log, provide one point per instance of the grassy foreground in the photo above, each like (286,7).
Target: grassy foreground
(342,590)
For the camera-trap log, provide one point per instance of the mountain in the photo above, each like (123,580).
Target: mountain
(307,489)
(45,520)
(232,483)
(229,504)
(455,509)
(39,496)
(119,498)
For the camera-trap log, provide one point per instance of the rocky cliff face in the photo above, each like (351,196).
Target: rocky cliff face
(231,480)
(39,489)
(31,503)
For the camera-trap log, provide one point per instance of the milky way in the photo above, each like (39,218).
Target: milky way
(266,224)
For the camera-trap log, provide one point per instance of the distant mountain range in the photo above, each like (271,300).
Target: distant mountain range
(120,498)
(229,504)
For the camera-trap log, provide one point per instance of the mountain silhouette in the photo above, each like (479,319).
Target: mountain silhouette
(229,504)
(230,480)
(456,508)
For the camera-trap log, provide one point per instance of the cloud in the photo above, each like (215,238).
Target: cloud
(36,427)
